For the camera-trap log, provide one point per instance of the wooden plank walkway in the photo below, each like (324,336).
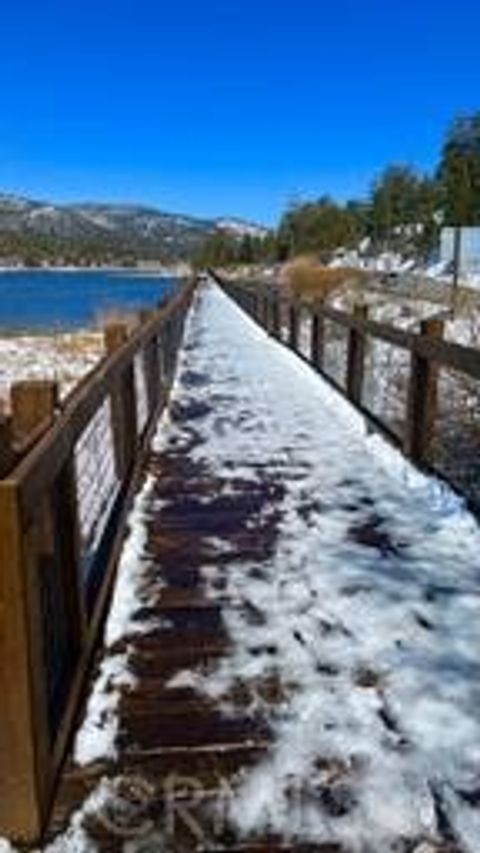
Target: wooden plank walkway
(270,632)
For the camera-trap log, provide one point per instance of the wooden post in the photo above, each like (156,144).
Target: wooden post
(457,262)
(317,335)
(169,350)
(240,295)
(174,340)
(151,364)
(124,409)
(166,354)
(162,363)
(7,453)
(24,777)
(33,403)
(256,305)
(293,312)
(356,357)
(422,396)
(275,314)
(25,737)
(265,318)
(252,304)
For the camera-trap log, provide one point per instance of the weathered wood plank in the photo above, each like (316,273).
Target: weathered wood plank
(24,777)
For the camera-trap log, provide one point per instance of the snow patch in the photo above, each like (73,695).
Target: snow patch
(96,738)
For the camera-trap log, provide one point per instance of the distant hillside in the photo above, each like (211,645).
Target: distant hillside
(107,229)
(241,228)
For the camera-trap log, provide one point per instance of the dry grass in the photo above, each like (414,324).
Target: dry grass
(306,278)
(79,343)
(116,315)
(466,301)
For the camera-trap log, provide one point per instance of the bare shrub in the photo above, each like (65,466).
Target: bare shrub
(306,278)
(116,315)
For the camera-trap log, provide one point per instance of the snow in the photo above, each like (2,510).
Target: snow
(241,228)
(76,839)
(96,738)
(369,596)
(63,357)
(387,370)
(127,599)
(435,271)
(423,682)
(5,846)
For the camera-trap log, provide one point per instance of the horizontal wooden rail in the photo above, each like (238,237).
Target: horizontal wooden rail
(62,511)
(445,353)
(50,453)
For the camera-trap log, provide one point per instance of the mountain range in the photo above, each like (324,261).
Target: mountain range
(127,225)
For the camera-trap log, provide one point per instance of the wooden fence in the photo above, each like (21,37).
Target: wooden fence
(69,472)
(428,354)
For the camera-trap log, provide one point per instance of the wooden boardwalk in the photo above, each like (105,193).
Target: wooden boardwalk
(177,750)
(240,524)
(172,737)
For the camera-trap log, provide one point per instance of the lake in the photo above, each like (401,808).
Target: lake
(39,301)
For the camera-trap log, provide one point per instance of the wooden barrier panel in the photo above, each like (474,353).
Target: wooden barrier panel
(63,502)
(428,353)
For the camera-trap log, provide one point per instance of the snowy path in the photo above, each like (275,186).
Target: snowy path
(297,606)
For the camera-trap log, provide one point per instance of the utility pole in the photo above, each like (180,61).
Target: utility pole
(457,257)
(462,218)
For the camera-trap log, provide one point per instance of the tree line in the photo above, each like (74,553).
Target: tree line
(404,211)
(35,250)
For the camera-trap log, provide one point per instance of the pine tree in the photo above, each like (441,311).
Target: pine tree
(459,172)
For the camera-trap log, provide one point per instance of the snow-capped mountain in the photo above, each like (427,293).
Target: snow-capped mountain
(241,228)
(128,224)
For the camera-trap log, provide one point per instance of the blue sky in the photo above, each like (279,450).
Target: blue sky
(233,107)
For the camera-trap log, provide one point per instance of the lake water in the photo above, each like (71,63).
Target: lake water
(37,301)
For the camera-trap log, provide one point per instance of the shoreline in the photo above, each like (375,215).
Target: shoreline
(88,300)
(65,357)
(155,272)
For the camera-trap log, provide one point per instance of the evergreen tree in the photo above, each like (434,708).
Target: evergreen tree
(393,201)
(319,227)
(404,211)
(459,172)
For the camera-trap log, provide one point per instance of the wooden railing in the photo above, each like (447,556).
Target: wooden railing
(69,472)
(431,359)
